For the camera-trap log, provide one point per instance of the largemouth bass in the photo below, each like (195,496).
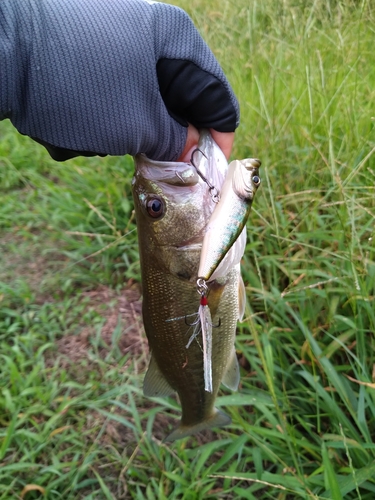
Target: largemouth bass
(173,206)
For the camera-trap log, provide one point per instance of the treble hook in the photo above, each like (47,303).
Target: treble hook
(215,196)
(197,321)
(194,323)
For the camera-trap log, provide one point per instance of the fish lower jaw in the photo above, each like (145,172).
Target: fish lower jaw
(182,247)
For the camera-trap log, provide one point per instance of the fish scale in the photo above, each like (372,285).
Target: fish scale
(185,366)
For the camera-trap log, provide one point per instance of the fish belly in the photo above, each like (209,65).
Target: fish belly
(170,308)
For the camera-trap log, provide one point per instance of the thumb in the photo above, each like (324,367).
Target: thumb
(224,140)
(192,139)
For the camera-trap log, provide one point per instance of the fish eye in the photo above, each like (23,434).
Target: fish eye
(256,180)
(155,207)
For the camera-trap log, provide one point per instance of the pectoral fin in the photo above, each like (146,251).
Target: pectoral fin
(231,377)
(155,384)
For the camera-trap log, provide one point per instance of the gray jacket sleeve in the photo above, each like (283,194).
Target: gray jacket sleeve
(115,77)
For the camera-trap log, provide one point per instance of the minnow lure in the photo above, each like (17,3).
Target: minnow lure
(230,215)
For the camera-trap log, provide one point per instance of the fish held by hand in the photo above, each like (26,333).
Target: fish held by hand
(173,207)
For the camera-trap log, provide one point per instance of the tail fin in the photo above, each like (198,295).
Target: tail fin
(218,419)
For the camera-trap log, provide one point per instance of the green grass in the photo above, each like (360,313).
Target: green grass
(304,417)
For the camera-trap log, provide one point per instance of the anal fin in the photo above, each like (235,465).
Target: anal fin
(155,384)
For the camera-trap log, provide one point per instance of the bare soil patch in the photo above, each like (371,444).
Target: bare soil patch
(122,310)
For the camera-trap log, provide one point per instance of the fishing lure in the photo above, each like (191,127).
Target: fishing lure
(230,215)
(204,315)
(203,324)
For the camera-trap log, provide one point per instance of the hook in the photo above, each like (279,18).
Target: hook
(215,196)
(197,321)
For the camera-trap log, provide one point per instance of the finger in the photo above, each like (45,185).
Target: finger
(224,140)
(191,143)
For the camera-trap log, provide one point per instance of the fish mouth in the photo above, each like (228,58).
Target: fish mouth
(185,246)
(193,243)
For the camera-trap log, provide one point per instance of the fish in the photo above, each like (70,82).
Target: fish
(173,206)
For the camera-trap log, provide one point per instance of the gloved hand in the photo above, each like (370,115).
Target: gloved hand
(87,77)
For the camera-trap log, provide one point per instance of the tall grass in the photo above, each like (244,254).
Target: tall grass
(304,417)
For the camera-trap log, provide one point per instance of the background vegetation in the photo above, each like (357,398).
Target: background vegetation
(76,426)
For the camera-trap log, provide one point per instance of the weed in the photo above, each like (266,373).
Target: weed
(304,417)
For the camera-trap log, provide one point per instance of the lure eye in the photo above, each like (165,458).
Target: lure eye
(256,180)
(155,207)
